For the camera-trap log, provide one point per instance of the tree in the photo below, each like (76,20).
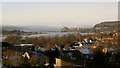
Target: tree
(13,39)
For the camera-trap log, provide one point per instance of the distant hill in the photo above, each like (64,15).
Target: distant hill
(66,29)
(42,28)
(101,27)
(33,28)
(83,30)
(9,27)
(12,28)
(107,26)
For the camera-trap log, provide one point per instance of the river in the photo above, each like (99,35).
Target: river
(47,34)
(54,34)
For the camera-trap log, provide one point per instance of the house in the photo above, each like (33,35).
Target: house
(86,51)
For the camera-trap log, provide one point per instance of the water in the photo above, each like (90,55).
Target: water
(54,34)
(47,34)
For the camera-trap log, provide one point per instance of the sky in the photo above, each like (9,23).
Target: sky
(59,0)
(71,14)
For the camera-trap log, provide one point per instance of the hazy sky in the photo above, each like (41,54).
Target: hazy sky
(59,0)
(58,13)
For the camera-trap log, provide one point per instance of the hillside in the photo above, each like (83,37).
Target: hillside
(101,27)
(107,26)
(82,30)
